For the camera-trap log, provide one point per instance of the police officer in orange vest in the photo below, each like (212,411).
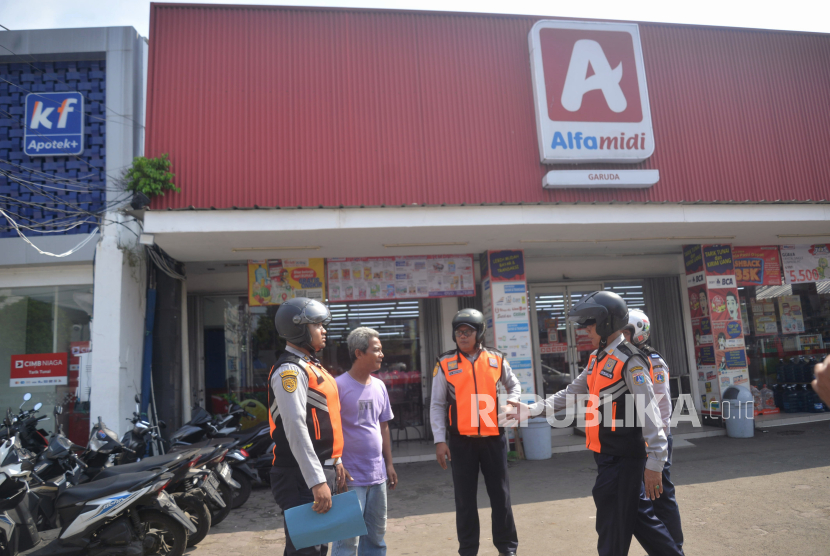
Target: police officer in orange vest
(464,418)
(304,417)
(629,452)
(637,332)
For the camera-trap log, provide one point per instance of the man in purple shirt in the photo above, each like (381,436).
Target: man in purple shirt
(367,448)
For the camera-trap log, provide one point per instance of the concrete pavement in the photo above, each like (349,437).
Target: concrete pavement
(768,495)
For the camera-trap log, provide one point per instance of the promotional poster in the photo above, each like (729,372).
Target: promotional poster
(415,277)
(506,310)
(757,266)
(805,263)
(275,281)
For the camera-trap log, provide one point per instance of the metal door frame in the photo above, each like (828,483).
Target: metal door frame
(565,289)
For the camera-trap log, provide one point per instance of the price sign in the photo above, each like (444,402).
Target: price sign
(805,263)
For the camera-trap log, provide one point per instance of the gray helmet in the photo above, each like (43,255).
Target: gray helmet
(294,316)
(470,317)
(607,309)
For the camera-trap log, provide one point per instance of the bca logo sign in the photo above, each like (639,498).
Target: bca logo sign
(589,88)
(54,124)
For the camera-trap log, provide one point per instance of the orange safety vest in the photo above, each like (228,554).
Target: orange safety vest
(469,385)
(607,382)
(322,411)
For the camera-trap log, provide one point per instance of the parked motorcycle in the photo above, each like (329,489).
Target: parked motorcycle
(126,515)
(139,438)
(24,425)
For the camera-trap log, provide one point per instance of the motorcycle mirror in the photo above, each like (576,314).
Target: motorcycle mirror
(27,396)
(58,409)
(137,398)
(162,425)
(38,405)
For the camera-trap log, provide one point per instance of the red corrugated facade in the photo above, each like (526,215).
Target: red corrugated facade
(277,106)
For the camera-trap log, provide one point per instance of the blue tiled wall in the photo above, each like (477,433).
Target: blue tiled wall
(90,79)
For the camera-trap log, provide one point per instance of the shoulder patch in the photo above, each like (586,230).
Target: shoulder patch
(289,383)
(660,378)
(435,370)
(291,372)
(639,378)
(636,369)
(655,355)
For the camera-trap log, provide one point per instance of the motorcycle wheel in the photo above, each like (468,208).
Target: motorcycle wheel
(199,514)
(169,537)
(241,495)
(217,514)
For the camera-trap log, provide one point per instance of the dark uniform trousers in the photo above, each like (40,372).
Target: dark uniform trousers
(289,490)
(488,453)
(623,510)
(665,507)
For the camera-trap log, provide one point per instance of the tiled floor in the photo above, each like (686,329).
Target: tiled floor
(781,419)
(423,450)
(414,450)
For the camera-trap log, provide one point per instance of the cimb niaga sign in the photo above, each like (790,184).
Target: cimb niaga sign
(590,93)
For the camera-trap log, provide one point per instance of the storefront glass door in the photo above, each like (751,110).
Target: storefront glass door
(561,350)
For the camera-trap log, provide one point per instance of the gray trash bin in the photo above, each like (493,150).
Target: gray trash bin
(738,411)
(536,439)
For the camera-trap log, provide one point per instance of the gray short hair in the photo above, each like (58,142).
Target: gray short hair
(359,338)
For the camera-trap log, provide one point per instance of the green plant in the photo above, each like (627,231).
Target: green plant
(151,176)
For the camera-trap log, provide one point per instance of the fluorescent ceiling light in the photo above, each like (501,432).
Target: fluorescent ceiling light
(281,248)
(392,245)
(607,240)
(803,235)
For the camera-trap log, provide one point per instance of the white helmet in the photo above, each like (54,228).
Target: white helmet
(638,326)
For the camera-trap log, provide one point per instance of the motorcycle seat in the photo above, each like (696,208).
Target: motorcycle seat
(100,489)
(247,435)
(147,464)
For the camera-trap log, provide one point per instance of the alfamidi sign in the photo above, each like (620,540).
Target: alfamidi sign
(590,93)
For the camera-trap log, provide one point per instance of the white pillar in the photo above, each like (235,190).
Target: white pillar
(120,269)
(118,329)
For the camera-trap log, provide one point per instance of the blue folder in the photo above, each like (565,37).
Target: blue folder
(344,520)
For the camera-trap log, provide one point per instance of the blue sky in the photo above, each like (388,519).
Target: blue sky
(799,15)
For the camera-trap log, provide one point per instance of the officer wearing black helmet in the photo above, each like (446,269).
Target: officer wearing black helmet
(464,418)
(304,416)
(629,452)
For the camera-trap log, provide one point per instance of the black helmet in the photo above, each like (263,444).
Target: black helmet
(294,315)
(608,310)
(470,317)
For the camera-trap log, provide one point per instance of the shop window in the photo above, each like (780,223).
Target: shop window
(48,320)
(397,325)
(241,346)
(787,329)
(563,349)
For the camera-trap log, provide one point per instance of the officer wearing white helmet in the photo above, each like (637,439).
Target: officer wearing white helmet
(464,417)
(637,332)
(629,453)
(304,416)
